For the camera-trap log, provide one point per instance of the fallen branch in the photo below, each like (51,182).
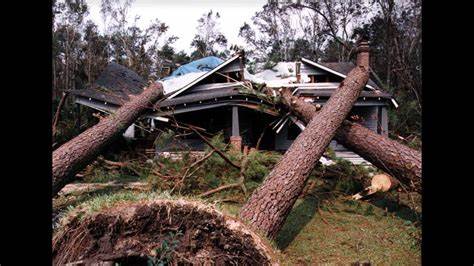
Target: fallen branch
(125,165)
(198,162)
(223,156)
(240,183)
(91,187)
(224,187)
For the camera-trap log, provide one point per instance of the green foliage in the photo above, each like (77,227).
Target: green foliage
(260,164)
(330,153)
(348,178)
(348,185)
(323,227)
(162,255)
(406,119)
(164,139)
(209,40)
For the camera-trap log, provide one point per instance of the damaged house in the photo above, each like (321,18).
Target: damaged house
(222,96)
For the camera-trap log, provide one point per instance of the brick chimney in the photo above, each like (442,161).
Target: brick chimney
(298,72)
(363,53)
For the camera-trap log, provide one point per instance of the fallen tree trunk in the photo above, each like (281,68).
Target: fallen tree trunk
(80,188)
(75,154)
(388,155)
(131,233)
(269,205)
(379,183)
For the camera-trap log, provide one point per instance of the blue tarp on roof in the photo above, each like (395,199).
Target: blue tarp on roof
(203,64)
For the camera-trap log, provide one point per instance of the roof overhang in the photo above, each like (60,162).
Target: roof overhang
(205,75)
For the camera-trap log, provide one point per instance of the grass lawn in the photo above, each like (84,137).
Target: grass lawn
(335,231)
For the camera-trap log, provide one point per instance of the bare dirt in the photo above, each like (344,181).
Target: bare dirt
(160,231)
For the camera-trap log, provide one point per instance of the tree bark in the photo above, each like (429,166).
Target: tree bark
(379,183)
(269,205)
(388,155)
(75,154)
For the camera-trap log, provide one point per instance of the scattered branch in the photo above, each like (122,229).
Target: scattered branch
(240,183)
(223,156)
(212,191)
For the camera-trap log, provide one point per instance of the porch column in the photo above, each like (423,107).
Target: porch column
(235,139)
(383,120)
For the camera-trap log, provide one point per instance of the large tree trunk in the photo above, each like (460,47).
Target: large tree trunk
(388,155)
(74,155)
(269,205)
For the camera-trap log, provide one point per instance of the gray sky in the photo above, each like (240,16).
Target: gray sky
(181,16)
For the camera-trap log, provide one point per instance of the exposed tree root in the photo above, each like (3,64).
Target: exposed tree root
(174,232)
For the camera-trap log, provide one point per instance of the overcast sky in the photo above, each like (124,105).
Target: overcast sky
(181,16)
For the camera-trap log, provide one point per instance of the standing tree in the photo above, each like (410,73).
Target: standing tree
(209,40)
(395,34)
(80,51)
(270,204)
(336,18)
(271,34)
(131,46)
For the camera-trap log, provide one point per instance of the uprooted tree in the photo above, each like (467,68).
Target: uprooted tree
(75,154)
(270,204)
(130,234)
(396,159)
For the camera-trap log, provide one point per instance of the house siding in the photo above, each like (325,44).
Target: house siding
(369,118)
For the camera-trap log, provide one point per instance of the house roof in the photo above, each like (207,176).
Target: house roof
(203,76)
(116,82)
(340,69)
(114,85)
(345,68)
